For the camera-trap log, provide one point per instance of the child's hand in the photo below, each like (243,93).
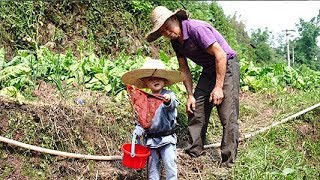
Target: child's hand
(139,131)
(167,98)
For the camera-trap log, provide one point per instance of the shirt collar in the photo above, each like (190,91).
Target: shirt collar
(184,27)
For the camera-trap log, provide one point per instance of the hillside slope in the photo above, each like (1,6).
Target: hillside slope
(99,127)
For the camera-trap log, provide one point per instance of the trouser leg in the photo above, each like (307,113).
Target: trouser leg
(228,112)
(198,121)
(169,157)
(154,165)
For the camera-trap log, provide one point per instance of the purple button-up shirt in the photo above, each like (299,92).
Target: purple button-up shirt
(198,36)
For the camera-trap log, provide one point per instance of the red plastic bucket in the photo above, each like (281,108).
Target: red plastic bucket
(137,160)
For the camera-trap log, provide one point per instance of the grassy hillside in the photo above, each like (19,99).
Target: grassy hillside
(60,88)
(101,125)
(106,28)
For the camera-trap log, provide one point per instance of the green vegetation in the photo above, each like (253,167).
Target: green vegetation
(290,151)
(26,70)
(306,46)
(277,77)
(54,54)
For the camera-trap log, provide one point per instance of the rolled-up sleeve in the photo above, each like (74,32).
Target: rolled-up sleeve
(203,36)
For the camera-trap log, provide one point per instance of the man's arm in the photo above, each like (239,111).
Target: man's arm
(183,67)
(221,65)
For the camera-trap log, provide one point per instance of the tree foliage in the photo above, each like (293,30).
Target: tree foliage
(109,28)
(106,27)
(263,52)
(306,49)
(242,37)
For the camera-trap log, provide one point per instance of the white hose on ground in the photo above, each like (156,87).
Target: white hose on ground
(58,153)
(246,136)
(82,156)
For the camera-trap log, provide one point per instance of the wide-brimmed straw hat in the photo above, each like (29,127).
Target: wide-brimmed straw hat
(159,16)
(152,68)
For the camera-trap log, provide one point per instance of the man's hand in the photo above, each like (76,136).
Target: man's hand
(191,104)
(216,96)
(191,101)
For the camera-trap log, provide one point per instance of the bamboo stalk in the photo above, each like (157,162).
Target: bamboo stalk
(58,153)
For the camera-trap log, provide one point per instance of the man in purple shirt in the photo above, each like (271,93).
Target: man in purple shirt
(218,84)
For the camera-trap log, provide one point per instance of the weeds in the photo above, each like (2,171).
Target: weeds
(281,153)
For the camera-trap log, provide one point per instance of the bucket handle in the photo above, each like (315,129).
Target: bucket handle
(133,143)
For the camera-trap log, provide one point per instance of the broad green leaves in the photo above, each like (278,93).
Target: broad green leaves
(277,77)
(101,74)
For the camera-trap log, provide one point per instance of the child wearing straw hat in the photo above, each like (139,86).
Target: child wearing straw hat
(218,84)
(160,136)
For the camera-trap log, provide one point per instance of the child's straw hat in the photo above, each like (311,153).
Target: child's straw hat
(152,68)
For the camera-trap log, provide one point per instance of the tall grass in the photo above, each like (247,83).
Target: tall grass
(291,151)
